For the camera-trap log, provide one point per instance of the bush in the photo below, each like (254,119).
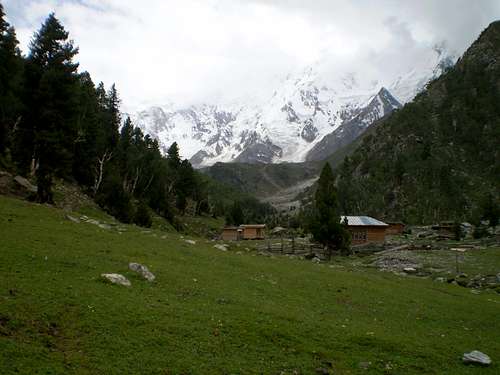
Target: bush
(115,200)
(480,231)
(142,216)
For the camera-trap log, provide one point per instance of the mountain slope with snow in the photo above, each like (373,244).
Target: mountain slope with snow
(308,116)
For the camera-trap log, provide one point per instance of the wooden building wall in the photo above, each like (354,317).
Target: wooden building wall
(367,234)
(230,234)
(253,233)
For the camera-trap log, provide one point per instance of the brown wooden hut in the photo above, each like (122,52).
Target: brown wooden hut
(365,229)
(395,228)
(253,231)
(244,232)
(231,233)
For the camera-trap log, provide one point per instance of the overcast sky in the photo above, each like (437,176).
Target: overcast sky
(189,51)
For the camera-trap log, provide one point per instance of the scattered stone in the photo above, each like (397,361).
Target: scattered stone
(116,278)
(142,270)
(364,365)
(221,247)
(191,242)
(104,226)
(440,279)
(410,270)
(73,219)
(25,184)
(476,357)
(316,260)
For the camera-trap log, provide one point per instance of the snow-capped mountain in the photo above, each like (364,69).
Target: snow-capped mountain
(307,117)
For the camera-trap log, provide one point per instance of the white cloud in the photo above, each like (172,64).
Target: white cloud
(205,50)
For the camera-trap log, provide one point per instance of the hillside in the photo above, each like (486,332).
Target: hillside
(213,312)
(262,180)
(438,157)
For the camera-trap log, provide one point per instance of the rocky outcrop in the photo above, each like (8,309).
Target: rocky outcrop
(116,278)
(143,271)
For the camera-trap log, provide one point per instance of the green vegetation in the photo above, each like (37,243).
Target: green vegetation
(325,223)
(438,157)
(213,312)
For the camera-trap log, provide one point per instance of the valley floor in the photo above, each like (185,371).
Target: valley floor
(218,312)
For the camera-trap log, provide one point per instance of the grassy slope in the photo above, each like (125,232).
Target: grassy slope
(215,312)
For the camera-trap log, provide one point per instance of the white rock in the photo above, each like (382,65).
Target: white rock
(409,270)
(190,242)
(25,184)
(116,278)
(477,357)
(73,219)
(221,247)
(142,270)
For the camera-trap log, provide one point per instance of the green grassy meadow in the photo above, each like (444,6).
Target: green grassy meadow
(214,312)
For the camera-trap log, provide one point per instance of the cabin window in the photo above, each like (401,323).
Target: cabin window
(359,236)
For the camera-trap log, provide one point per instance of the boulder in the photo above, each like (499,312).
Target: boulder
(476,357)
(73,219)
(142,270)
(221,247)
(410,270)
(21,181)
(116,278)
(191,242)
(316,260)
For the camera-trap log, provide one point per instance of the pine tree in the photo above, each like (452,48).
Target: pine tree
(90,136)
(11,69)
(325,224)
(174,160)
(236,215)
(112,103)
(52,104)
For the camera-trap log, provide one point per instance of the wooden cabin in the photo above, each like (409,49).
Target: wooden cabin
(253,231)
(244,232)
(231,233)
(365,229)
(395,228)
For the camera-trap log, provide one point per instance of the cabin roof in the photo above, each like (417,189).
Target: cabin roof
(363,221)
(253,225)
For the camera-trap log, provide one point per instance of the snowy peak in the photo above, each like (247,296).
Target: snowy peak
(379,106)
(306,117)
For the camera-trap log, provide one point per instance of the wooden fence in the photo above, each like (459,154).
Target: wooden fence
(290,246)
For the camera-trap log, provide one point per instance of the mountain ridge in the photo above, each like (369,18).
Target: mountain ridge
(292,126)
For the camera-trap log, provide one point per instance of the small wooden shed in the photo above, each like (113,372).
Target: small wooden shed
(365,229)
(395,227)
(253,231)
(244,232)
(231,233)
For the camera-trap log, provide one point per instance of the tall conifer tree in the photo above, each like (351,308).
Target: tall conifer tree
(11,66)
(326,226)
(53,103)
